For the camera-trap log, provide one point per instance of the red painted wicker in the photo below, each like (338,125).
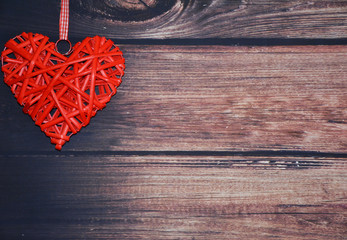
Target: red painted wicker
(61,93)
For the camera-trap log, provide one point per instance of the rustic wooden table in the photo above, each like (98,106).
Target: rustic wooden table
(230,123)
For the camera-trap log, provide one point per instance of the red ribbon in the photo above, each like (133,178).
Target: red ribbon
(64,20)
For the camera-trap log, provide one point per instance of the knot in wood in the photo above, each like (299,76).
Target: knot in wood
(118,10)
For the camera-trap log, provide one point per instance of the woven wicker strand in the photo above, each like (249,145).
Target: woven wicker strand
(62,93)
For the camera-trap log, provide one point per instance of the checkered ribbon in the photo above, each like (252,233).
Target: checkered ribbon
(64,19)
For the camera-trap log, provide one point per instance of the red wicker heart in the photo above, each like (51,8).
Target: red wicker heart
(62,93)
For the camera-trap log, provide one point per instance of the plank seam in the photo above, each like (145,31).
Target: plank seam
(179,153)
(234,41)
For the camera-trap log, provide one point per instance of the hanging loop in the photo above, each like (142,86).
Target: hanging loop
(63,46)
(63,43)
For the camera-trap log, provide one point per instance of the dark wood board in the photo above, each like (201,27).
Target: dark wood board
(210,98)
(172,197)
(180,19)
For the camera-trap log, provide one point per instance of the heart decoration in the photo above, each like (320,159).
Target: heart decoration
(62,93)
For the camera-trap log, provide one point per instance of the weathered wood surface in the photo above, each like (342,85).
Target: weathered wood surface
(201,141)
(180,18)
(172,197)
(188,98)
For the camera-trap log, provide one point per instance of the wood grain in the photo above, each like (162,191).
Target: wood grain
(180,19)
(221,18)
(186,98)
(171,197)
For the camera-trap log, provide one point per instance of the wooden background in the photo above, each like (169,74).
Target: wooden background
(230,123)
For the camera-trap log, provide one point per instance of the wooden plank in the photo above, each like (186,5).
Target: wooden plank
(171,197)
(180,19)
(188,98)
